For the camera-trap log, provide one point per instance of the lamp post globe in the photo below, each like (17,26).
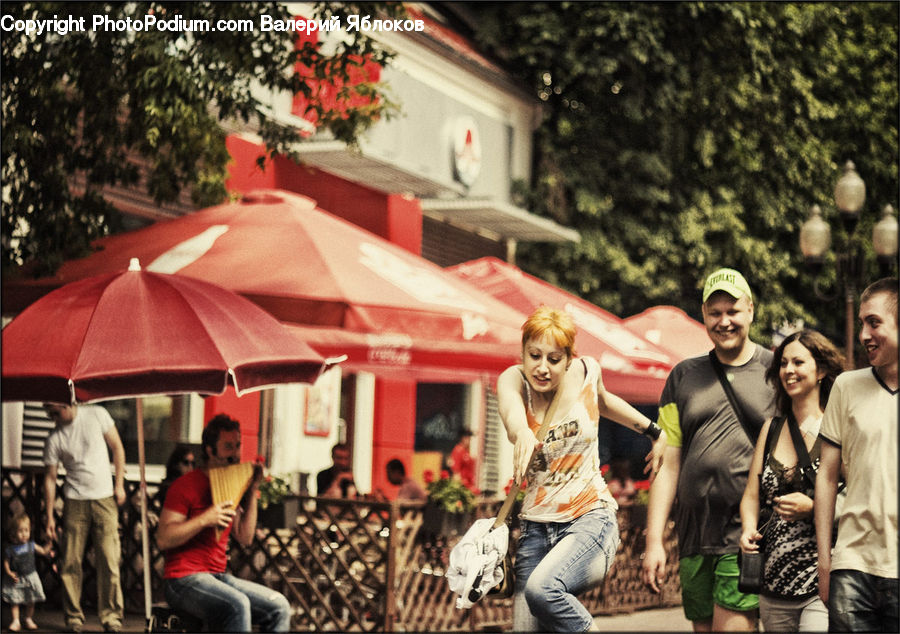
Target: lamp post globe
(884,239)
(815,238)
(850,195)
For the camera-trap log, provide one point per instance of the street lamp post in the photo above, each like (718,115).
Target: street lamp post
(815,240)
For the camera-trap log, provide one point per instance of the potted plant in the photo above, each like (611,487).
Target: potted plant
(278,507)
(639,506)
(450,504)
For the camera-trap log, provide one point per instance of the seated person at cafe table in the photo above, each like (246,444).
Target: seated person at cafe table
(337,480)
(196,582)
(409,491)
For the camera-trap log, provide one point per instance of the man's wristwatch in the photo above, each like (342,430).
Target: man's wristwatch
(653,430)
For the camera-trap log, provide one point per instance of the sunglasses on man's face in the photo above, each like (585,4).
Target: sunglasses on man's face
(187,463)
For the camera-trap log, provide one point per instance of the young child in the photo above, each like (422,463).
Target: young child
(21,583)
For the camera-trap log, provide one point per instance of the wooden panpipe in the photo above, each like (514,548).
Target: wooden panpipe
(229,484)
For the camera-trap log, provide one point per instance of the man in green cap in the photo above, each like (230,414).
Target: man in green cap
(707,459)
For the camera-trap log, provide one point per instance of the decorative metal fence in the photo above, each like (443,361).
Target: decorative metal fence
(350,565)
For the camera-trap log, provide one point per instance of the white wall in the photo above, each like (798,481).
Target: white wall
(363,431)
(13,414)
(293,450)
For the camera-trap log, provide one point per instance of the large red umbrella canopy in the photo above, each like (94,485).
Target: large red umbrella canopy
(633,368)
(306,266)
(135,332)
(671,329)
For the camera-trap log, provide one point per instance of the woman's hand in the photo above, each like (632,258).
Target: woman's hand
(750,541)
(526,444)
(793,506)
(655,457)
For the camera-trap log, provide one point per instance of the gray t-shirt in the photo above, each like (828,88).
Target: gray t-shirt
(715,449)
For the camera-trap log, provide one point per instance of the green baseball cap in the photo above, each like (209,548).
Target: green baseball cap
(727,280)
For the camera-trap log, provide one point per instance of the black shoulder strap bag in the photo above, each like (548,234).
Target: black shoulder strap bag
(752,433)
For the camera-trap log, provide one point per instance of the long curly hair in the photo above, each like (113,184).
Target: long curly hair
(826,355)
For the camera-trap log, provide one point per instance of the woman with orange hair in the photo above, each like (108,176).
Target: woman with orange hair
(569,530)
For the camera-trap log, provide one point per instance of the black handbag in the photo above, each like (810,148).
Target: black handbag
(751,565)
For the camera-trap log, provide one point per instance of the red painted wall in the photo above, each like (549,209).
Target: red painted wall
(243,173)
(244,409)
(394,217)
(394,429)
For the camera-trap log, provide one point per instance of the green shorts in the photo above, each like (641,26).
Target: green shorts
(712,579)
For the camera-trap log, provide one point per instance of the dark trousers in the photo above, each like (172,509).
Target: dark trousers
(860,602)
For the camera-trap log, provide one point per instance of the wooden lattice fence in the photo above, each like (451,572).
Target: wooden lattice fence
(347,565)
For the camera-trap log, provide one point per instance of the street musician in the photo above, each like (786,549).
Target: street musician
(193,532)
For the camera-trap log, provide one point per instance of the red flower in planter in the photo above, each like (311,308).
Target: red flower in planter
(428,475)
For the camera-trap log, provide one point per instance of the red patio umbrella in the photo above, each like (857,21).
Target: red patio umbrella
(671,329)
(135,333)
(306,266)
(633,368)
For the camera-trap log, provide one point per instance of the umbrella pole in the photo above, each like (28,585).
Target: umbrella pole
(145,544)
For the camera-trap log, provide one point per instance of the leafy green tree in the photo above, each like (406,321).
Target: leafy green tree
(81,109)
(679,137)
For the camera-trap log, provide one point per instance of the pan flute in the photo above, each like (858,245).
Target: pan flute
(229,484)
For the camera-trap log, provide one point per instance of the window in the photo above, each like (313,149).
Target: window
(166,421)
(440,416)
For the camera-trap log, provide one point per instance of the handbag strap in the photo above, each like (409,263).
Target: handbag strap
(752,434)
(541,432)
(772,434)
(802,452)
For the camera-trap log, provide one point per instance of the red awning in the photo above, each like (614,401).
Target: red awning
(633,367)
(306,266)
(399,355)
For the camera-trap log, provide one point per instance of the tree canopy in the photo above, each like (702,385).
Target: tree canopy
(680,137)
(83,109)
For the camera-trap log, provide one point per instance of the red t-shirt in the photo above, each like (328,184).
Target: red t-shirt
(191,495)
(463,464)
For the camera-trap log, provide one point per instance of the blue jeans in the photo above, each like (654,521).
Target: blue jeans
(860,602)
(228,604)
(557,561)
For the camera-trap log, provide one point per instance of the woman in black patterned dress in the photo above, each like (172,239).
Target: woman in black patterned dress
(803,370)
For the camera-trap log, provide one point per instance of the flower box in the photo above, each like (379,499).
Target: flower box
(436,520)
(281,514)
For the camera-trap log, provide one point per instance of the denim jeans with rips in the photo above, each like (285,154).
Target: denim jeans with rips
(228,604)
(860,602)
(557,561)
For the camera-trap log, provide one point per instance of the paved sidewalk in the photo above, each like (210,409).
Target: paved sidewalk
(657,620)
(54,620)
